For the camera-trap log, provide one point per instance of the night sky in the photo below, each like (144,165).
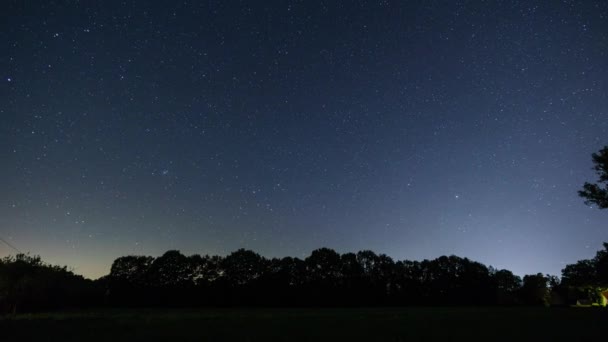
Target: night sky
(415,129)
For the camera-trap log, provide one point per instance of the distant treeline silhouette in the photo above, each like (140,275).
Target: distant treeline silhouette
(325,278)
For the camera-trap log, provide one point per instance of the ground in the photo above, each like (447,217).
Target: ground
(376,324)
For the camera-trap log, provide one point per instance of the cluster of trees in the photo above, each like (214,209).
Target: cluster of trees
(28,284)
(324,278)
(587,278)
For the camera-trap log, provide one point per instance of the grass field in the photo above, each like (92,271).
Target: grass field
(387,324)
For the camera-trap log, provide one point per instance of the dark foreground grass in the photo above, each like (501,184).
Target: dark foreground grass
(387,324)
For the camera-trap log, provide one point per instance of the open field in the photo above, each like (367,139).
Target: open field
(365,324)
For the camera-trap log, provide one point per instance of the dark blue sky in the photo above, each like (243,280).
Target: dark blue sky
(415,129)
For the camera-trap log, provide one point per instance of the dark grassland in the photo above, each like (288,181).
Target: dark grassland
(364,324)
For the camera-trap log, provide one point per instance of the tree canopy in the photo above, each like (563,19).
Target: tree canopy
(597,194)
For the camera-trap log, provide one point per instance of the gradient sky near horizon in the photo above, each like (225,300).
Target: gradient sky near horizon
(415,129)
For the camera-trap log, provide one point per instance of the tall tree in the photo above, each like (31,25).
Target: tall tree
(507,285)
(535,289)
(598,193)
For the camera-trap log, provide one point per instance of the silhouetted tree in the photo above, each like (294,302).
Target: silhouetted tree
(207,276)
(601,262)
(586,279)
(378,277)
(507,286)
(129,280)
(242,272)
(369,280)
(323,274)
(535,290)
(281,283)
(454,281)
(352,280)
(243,267)
(172,269)
(409,282)
(582,273)
(28,284)
(588,272)
(475,286)
(131,269)
(323,264)
(171,279)
(598,193)
(206,269)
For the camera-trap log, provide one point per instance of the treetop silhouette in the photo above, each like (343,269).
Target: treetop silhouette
(598,193)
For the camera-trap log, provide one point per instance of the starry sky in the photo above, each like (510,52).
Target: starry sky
(415,129)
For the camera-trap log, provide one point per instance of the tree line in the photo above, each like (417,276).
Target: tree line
(325,278)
